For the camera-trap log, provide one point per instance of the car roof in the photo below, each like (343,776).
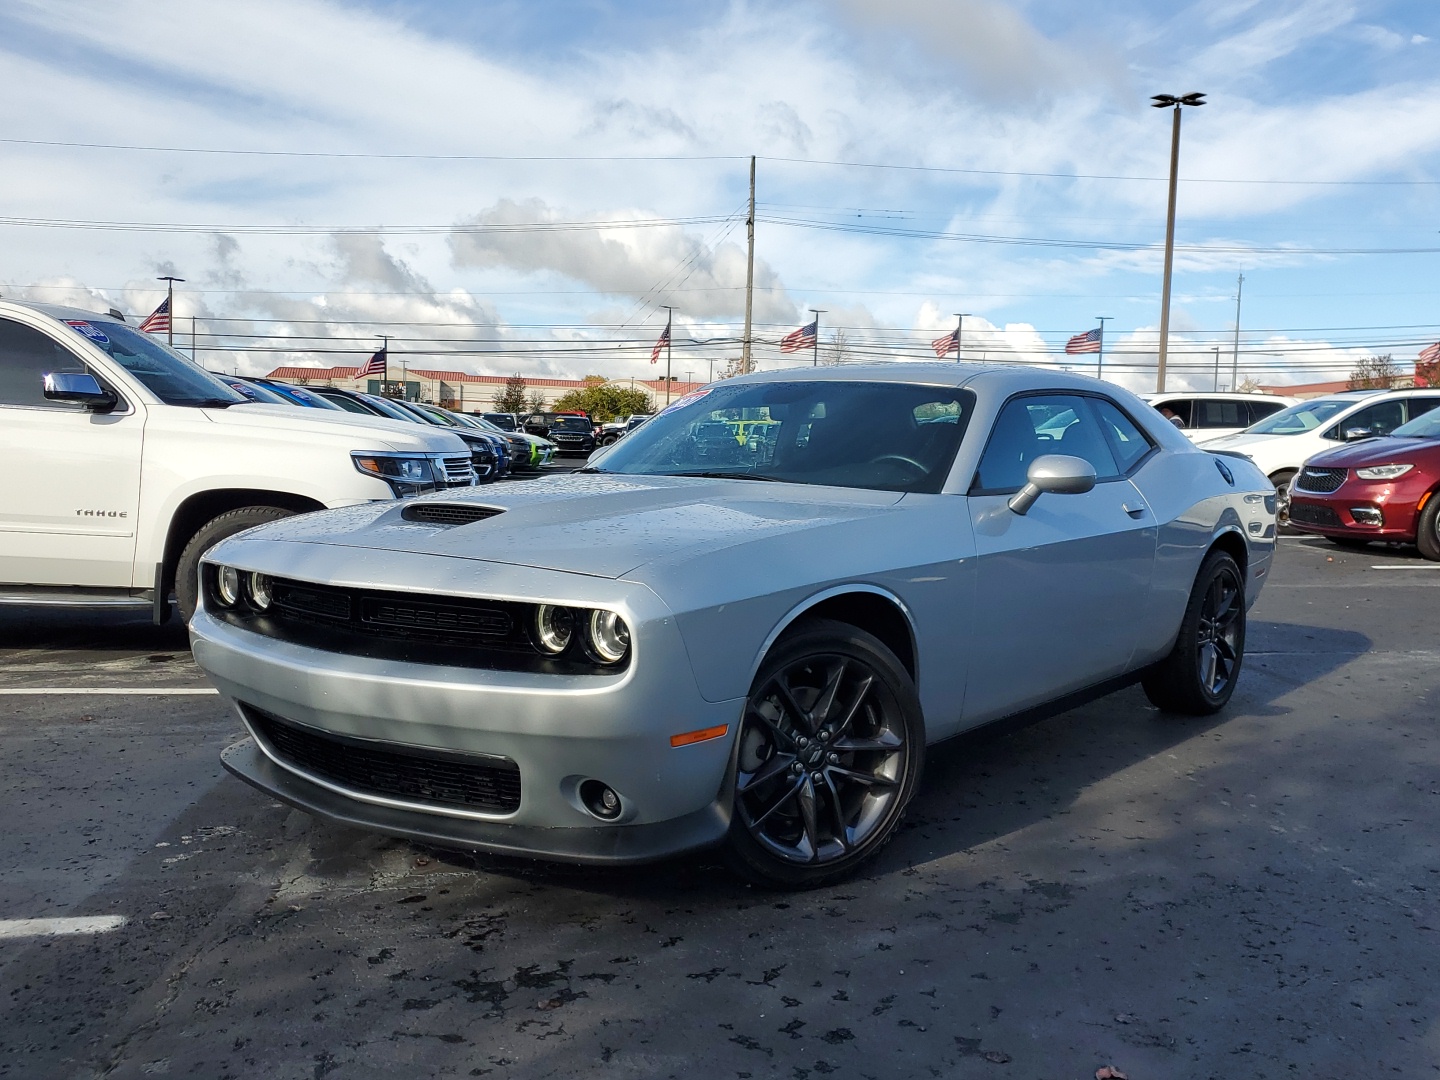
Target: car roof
(1220,395)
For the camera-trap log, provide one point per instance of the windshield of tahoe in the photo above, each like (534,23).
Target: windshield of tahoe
(886,436)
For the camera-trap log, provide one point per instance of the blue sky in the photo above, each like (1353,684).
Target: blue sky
(917,158)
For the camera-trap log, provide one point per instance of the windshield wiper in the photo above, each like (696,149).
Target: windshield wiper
(728,476)
(215,403)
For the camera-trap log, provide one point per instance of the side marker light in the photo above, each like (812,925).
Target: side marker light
(703,735)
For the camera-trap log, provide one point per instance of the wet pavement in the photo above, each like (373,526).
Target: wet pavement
(1248,895)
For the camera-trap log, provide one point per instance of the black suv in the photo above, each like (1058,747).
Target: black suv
(571,433)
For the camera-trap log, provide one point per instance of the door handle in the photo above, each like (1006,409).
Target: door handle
(1135,510)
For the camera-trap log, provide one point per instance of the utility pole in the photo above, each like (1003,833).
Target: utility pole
(1216,384)
(711,377)
(815,356)
(1235,354)
(192,338)
(1100,365)
(1161,101)
(749,272)
(669,337)
(170,308)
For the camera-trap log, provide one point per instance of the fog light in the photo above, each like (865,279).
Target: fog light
(227,585)
(609,636)
(600,799)
(1367,515)
(259,589)
(554,627)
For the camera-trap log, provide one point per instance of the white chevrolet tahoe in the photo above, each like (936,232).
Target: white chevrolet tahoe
(125,462)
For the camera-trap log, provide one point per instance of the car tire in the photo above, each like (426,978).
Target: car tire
(187,570)
(829,753)
(1281,480)
(1427,530)
(1198,676)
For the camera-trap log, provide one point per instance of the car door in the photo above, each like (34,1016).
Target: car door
(1379,419)
(69,508)
(1057,586)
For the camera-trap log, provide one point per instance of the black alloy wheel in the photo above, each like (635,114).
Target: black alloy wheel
(1198,676)
(829,753)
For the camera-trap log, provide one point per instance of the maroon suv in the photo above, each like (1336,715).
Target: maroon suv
(1375,489)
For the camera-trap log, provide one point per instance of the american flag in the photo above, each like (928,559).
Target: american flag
(376,364)
(943,345)
(660,345)
(158,321)
(1084,343)
(1430,353)
(804,338)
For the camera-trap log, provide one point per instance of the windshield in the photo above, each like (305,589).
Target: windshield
(165,373)
(1298,419)
(1422,427)
(570,423)
(883,436)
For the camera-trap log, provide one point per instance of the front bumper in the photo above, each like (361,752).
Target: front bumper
(558,730)
(1351,509)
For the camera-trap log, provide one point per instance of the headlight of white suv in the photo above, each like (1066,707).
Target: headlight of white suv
(1383,472)
(407,474)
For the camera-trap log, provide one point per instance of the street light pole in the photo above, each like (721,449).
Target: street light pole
(669,321)
(1216,386)
(1165,101)
(1235,355)
(170,308)
(815,354)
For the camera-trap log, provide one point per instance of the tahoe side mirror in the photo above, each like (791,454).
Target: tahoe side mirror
(80,387)
(1056,474)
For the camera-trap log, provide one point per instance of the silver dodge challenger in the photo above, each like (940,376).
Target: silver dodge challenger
(742,624)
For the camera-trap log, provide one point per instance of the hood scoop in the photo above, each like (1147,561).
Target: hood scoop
(438,513)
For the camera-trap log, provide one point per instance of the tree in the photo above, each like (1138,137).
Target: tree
(1427,373)
(839,350)
(1374,373)
(512,398)
(606,401)
(1248,385)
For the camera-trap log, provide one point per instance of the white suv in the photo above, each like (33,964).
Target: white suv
(1210,416)
(1281,443)
(128,461)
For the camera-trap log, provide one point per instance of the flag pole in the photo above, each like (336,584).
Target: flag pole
(669,337)
(815,359)
(385,364)
(959,322)
(1100,368)
(749,273)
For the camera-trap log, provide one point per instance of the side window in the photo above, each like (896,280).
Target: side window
(1128,444)
(1261,409)
(1419,406)
(26,357)
(1378,419)
(1221,414)
(1178,408)
(1030,427)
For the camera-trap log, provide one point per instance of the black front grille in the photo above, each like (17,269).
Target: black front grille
(1313,514)
(415,628)
(1320,481)
(448,513)
(445,780)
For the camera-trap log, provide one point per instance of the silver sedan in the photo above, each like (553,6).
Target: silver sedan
(741,625)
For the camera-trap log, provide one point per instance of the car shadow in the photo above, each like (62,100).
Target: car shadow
(81,629)
(998,780)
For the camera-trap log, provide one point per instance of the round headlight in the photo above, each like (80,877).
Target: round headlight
(609,636)
(227,585)
(260,591)
(554,627)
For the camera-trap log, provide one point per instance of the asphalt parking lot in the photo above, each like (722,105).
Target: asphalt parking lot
(1250,895)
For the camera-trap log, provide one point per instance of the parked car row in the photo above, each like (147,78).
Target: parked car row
(1355,466)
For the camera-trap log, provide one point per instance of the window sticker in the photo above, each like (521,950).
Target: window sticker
(90,330)
(688,399)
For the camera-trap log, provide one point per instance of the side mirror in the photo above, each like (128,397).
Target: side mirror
(1351,434)
(79,387)
(1176,421)
(1056,474)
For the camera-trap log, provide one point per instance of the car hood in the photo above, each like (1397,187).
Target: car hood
(1241,441)
(356,431)
(602,526)
(1376,451)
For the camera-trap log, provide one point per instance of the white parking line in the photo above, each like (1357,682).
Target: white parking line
(101,691)
(94,924)
(1405,566)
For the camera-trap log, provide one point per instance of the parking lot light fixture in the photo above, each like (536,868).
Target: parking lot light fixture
(1166,101)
